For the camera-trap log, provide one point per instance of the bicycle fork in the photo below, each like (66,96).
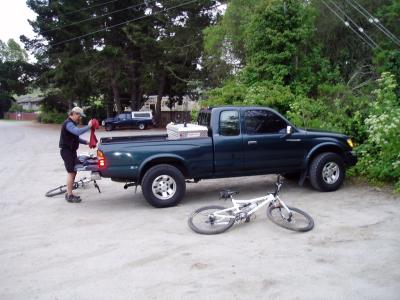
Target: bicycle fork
(282,204)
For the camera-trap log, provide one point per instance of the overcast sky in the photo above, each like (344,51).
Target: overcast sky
(13,19)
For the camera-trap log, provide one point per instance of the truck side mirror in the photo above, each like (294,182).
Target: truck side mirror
(289,129)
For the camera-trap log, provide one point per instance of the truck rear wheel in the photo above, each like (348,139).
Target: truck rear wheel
(163,186)
(327,172)
(142,126)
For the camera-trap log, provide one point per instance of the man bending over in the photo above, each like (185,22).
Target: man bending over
(69,144)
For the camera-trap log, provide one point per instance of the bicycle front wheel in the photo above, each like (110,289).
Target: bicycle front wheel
(299,221)
(57,191)
(205,221)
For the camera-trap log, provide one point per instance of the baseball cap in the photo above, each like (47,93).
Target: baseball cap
(78,110)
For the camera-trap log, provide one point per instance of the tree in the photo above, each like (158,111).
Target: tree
(12,51)
(156,51)
(15,73)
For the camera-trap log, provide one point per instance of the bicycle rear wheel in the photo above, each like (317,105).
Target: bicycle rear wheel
(62,189)
(300,221)
(204,221)
(57,191)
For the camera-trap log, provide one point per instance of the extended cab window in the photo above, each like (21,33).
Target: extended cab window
(229,123)
(204,119)
(263,122)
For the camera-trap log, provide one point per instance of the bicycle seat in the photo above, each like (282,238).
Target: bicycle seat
(225,194)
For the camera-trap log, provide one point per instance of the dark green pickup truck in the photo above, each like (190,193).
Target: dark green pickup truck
(241,141)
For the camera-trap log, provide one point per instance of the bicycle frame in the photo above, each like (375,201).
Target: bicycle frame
(218,219)
(238,205)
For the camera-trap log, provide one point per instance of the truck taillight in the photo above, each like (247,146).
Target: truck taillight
(101,160)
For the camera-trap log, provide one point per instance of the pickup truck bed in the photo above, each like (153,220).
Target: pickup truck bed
(196,156)
(142,138)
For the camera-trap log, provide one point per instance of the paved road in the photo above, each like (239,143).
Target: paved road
(115,246)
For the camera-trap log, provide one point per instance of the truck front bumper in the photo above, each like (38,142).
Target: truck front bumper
(350,158)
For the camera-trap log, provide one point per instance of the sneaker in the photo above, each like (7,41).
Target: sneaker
(73,198)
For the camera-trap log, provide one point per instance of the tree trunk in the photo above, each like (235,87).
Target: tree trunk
(161,89)
(108,102)
(117,100)
(135,94)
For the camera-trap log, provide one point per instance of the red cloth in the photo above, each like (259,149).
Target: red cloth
(93,139)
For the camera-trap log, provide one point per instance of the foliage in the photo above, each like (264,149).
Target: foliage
(52,117)
(5,104)
(12,51)
(16,108)
(157,53)
(335,109)
(380,153)
(297,57)
(15,73)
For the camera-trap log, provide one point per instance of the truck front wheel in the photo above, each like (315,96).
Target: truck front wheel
(163,186)
(327,172)
(108,127)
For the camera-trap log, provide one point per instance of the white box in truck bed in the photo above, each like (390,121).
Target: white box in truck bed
(180,131)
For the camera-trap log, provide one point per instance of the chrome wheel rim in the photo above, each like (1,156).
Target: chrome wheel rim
(331,172)
(164,187)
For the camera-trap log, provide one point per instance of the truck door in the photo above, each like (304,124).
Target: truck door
(122,120)
(228,144)
(266,148)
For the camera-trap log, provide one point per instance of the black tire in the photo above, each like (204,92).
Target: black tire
(300,220)
(327,172)
(163,186)
(212,226)
(108,127)
(57,191)
(142,126)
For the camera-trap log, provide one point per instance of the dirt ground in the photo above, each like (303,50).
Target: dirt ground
(114,245)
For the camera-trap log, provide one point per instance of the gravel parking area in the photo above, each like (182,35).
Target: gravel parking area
(114,245)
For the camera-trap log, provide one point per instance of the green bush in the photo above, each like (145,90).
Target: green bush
(264,93)
(15,107)
(52,117)
(380,153)
(336,109)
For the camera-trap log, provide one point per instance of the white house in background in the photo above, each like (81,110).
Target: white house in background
(29,102)
(187,104)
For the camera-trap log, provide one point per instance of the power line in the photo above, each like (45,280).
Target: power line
(359,28)
(374,20)
(122,23)
(96,17)
(347,24)
(89,7)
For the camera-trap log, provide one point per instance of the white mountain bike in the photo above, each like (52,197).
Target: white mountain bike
(84,163)
(215,219)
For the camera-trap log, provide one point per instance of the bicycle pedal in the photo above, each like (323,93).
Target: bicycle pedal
(250,218)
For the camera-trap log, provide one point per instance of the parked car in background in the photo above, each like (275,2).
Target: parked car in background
(134,119)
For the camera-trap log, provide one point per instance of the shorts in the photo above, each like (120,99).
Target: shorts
(70,159)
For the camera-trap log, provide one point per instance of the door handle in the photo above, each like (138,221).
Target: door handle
(252,143)
(293,140)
